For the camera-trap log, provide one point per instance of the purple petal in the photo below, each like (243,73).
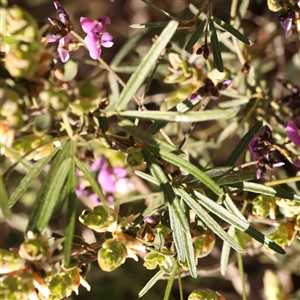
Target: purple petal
(119,172)
(104,20)
(87,24)
(58,6)
(80,191)
(292,133)
(52,39)
(94,198)
(63,53)
(252,145)
(98,164)
(194,97)
(106,181)
(93,44)
(287,25)
(296,162)
(106,40)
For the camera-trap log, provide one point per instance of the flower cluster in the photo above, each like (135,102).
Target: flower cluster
(262,149)
(287,18)
(210,89)
(96,34)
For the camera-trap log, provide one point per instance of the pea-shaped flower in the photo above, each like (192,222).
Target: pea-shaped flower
(96,35)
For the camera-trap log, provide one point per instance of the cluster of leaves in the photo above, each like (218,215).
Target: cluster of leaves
(49,120)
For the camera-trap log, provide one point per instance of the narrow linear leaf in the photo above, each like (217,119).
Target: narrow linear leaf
(181,107)
(232,207)
(151,282)
(218,171)
(30,177)
(146,177)
(233,31)
(50,190)
(242,275)
(150,25)
(138,197)
(188,245)
(146,65)
(235,177)
(265,190)
(188,117)
(225,180)
(177,234)
(148,139)
(186,165)
(238,223)
(215,47)
(170,283)
(94,184)
(71,214)
(166,187)
(208,220)
(195,36)
(225,252)
(4,205)
(46,200)
(243,143)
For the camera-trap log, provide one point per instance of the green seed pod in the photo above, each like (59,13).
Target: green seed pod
(112,255)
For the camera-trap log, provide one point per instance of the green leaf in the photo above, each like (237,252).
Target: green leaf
(170,116)
(225,252)
(146,65)
(146,177)
(242,275)
(265,190)
(147,138)
(177,234)
(195,36)
(239,223)
(208,220)
(151,282)
(243,144)
(150,25)
(30,177)
(181,107)
(232,30)
(189,167)
(138,197)
(170,283)
(90,178)
(166,187)
(215,47)
(50,190)
(71,214)
(183,240)
(4,205)
(235,177)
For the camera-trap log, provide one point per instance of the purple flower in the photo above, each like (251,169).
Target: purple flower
(262,150)
(212,90)
(293,134)
(107,177)
(286,20)
(62,50)
(96,35)
(63,26)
